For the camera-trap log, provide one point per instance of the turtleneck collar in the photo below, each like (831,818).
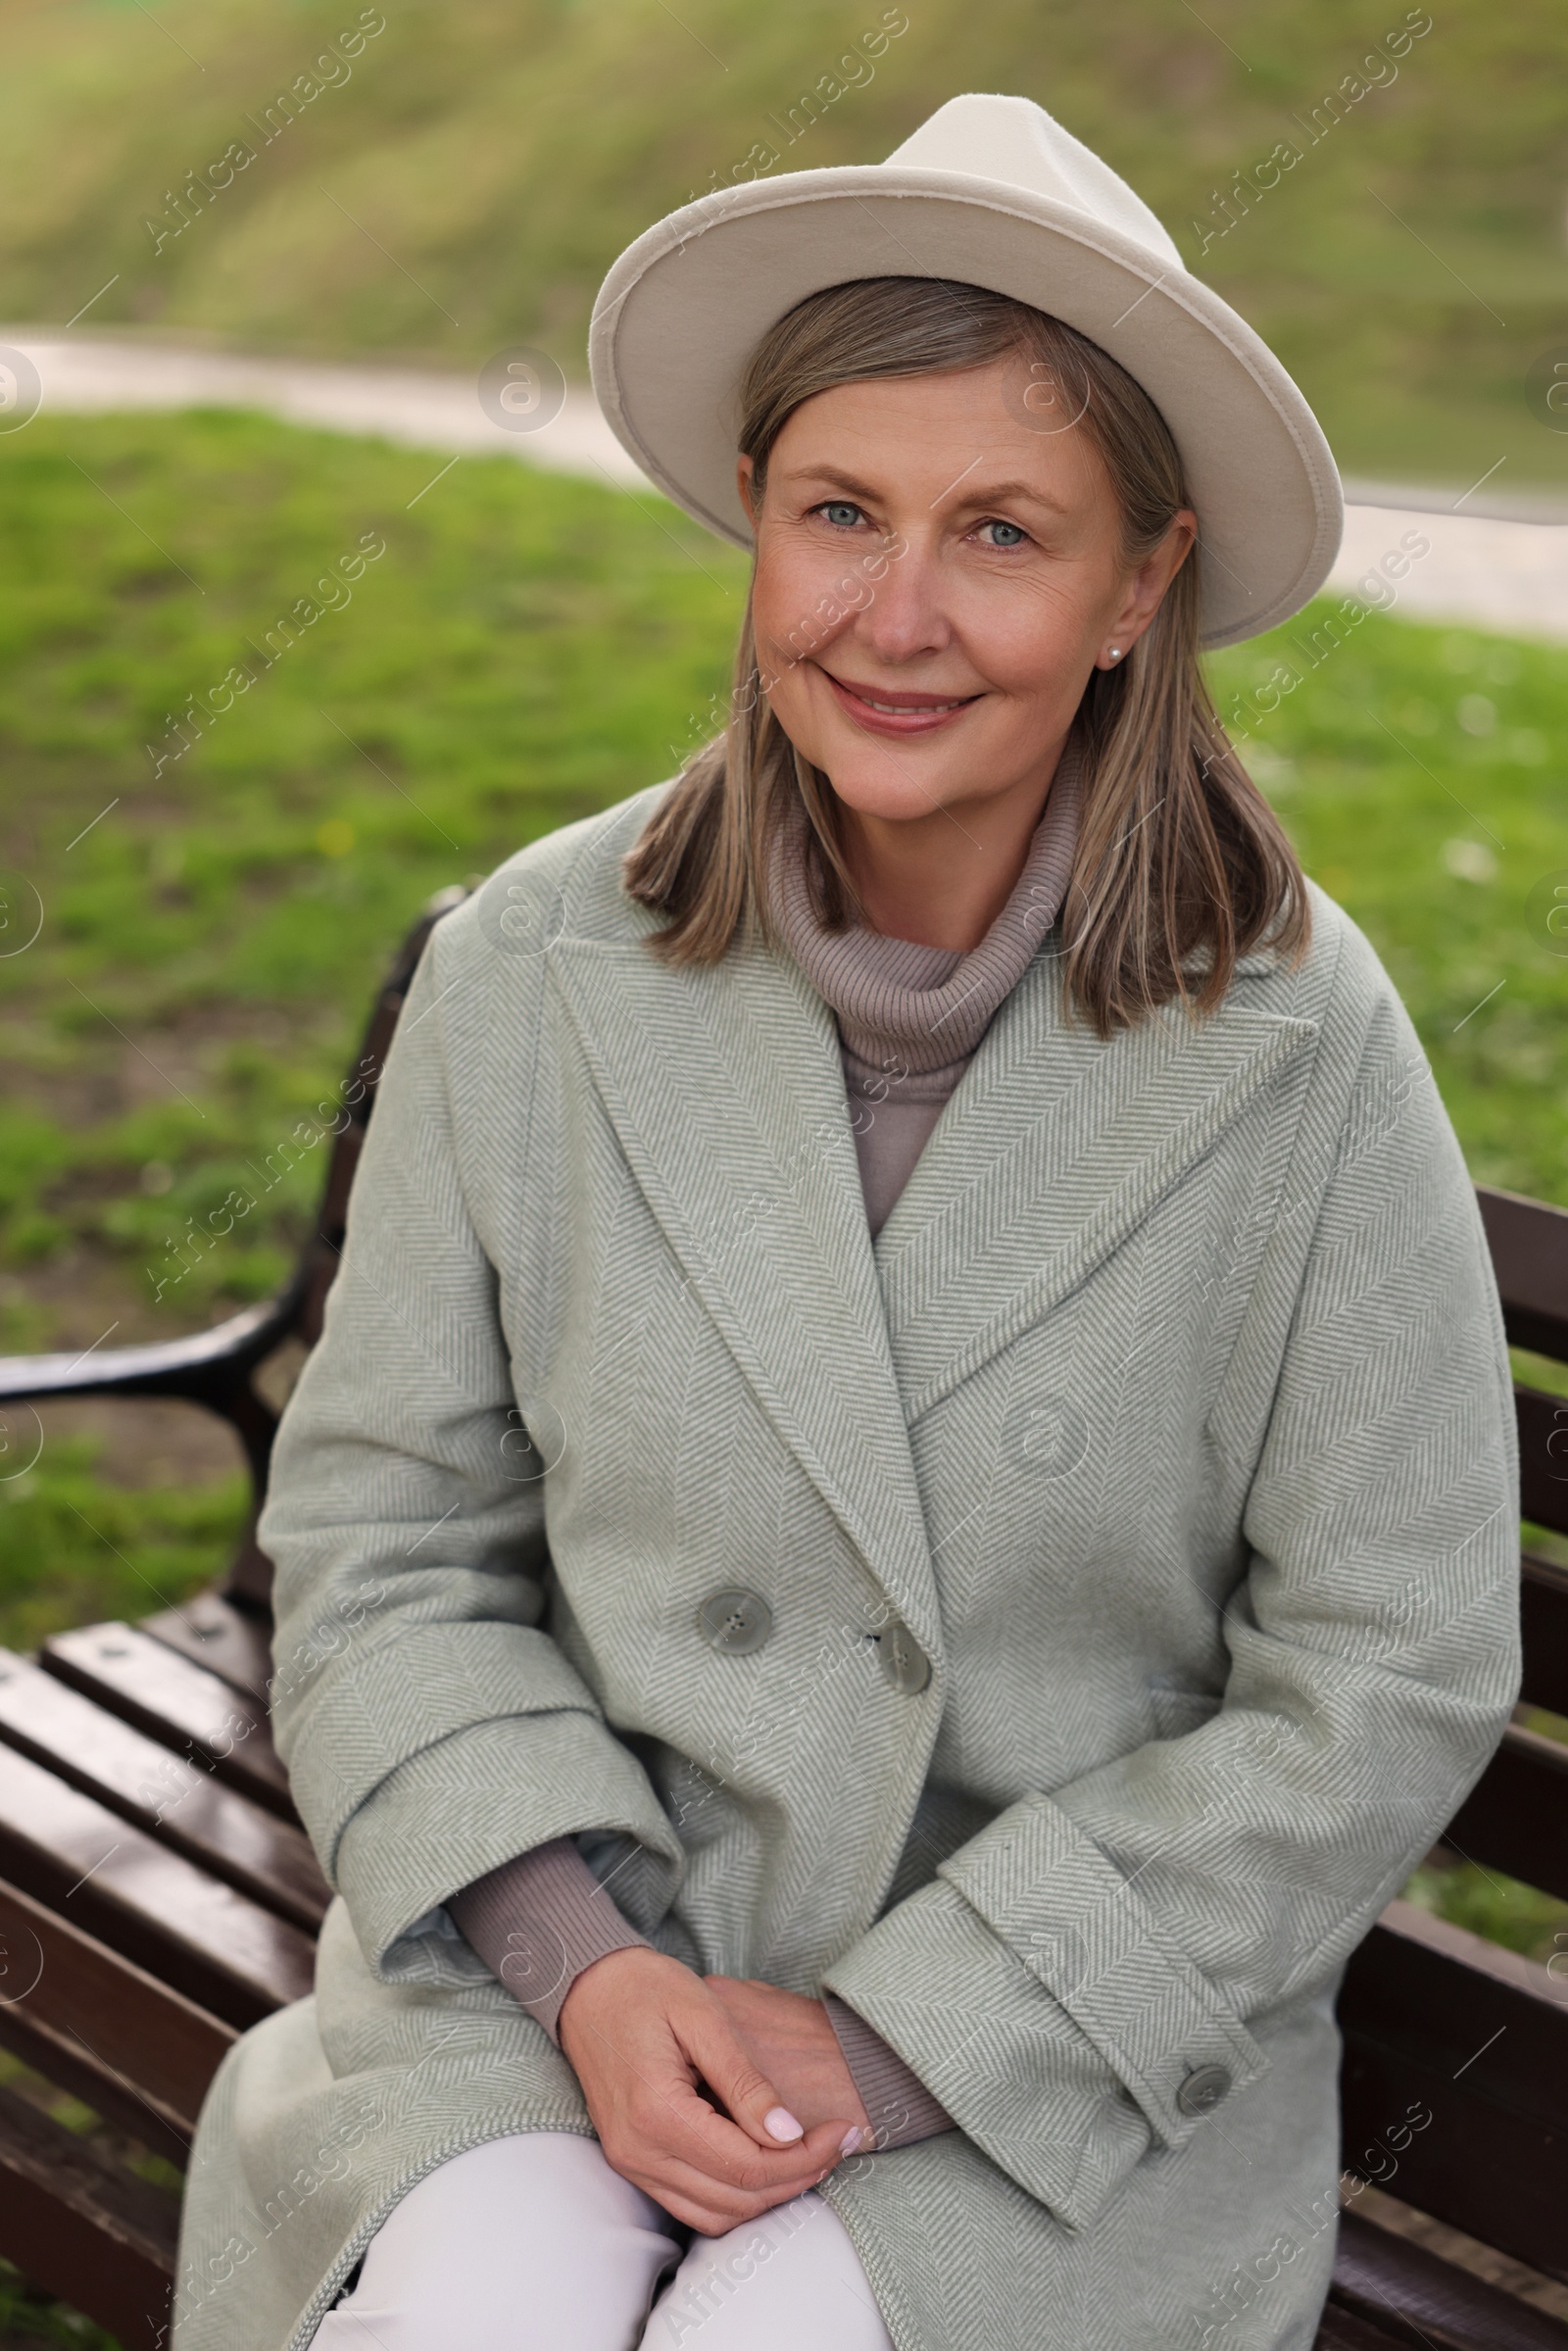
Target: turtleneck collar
(912,1011)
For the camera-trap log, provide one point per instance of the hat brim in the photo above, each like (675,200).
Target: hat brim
(681,311)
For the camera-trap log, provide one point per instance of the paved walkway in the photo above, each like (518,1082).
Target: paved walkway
(1488,565)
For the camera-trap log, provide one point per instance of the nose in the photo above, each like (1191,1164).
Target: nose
(905,615)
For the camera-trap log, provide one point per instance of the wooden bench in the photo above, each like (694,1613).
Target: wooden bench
(158,1895)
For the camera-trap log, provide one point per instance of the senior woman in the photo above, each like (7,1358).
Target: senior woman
(905,1519)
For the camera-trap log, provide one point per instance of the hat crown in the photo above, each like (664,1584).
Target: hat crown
(1016,143)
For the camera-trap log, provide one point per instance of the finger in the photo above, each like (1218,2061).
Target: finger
(730,2161)
(669,2119)
(681,2121)
(691,2196)
(664,2113)
(726,2063)
(701,2203)
(662,2104)
(662,2110)
(732,2154)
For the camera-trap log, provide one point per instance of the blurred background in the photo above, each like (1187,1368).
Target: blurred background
(197,901)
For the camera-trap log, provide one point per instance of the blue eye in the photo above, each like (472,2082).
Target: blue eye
(840,512)
(1018,536)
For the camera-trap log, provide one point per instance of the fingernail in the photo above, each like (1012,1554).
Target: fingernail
(850,2141)
(782,2124)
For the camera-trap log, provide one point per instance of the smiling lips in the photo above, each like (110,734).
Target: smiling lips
(886,713)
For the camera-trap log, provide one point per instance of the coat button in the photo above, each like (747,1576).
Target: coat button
(736,1622)
(902,1660)
(1203,2090)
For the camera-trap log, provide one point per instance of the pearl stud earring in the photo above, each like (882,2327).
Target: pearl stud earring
(1115,653)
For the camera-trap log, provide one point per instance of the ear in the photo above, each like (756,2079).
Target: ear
(1146,587)
(744,469)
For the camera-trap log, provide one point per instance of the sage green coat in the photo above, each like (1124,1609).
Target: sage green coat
(1169,1413)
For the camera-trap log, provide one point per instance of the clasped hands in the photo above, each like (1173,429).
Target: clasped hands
(720,2098)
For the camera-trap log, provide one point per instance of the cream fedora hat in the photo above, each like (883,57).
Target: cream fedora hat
(991,190)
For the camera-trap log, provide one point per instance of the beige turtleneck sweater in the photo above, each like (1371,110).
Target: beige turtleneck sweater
(909,1020)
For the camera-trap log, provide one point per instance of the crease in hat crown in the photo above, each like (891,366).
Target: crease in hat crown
(1015,142)
(993,192)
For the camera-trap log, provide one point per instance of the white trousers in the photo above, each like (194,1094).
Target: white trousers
(533,2243)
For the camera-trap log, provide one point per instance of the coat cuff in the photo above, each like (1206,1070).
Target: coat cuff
(349,1733)
(1089,1938)
(1098,2037)
(899,2106)
(1007,2061)
(454,1812)
(538,1921)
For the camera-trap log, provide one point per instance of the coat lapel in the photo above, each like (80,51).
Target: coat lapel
(726,1090)
(1054,1148)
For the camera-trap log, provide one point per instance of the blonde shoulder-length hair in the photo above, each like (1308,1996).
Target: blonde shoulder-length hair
(1181,866)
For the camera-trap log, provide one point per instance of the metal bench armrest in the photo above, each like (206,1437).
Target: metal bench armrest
(204,1366)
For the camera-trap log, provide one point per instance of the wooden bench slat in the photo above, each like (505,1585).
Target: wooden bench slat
(1515,1819)
(1340,2332)
(1415,2297)
(71,2003)
(213,1944)
(215,1635)
(164,1794)
(1542,1456)
(1433,2015)
(1529,1243)
(180,1704)
(75,2226)
(1544,1621)
(70,2067)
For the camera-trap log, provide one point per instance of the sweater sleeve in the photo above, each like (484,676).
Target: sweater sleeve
(539,1920)
(901,2107)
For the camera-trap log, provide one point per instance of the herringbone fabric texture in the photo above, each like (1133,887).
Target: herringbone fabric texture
(1169,1415)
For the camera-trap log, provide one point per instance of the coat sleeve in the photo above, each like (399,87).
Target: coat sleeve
(431,1728)
(1080,1977)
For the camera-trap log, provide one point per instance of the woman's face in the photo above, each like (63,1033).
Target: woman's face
(924,546)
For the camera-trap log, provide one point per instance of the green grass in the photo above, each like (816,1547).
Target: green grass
(528,648)
(468,177)
(1499,1909)
(1434,837)
(75,1548)
(29,2318)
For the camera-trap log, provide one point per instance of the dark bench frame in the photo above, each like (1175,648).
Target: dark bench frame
(155,1881)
